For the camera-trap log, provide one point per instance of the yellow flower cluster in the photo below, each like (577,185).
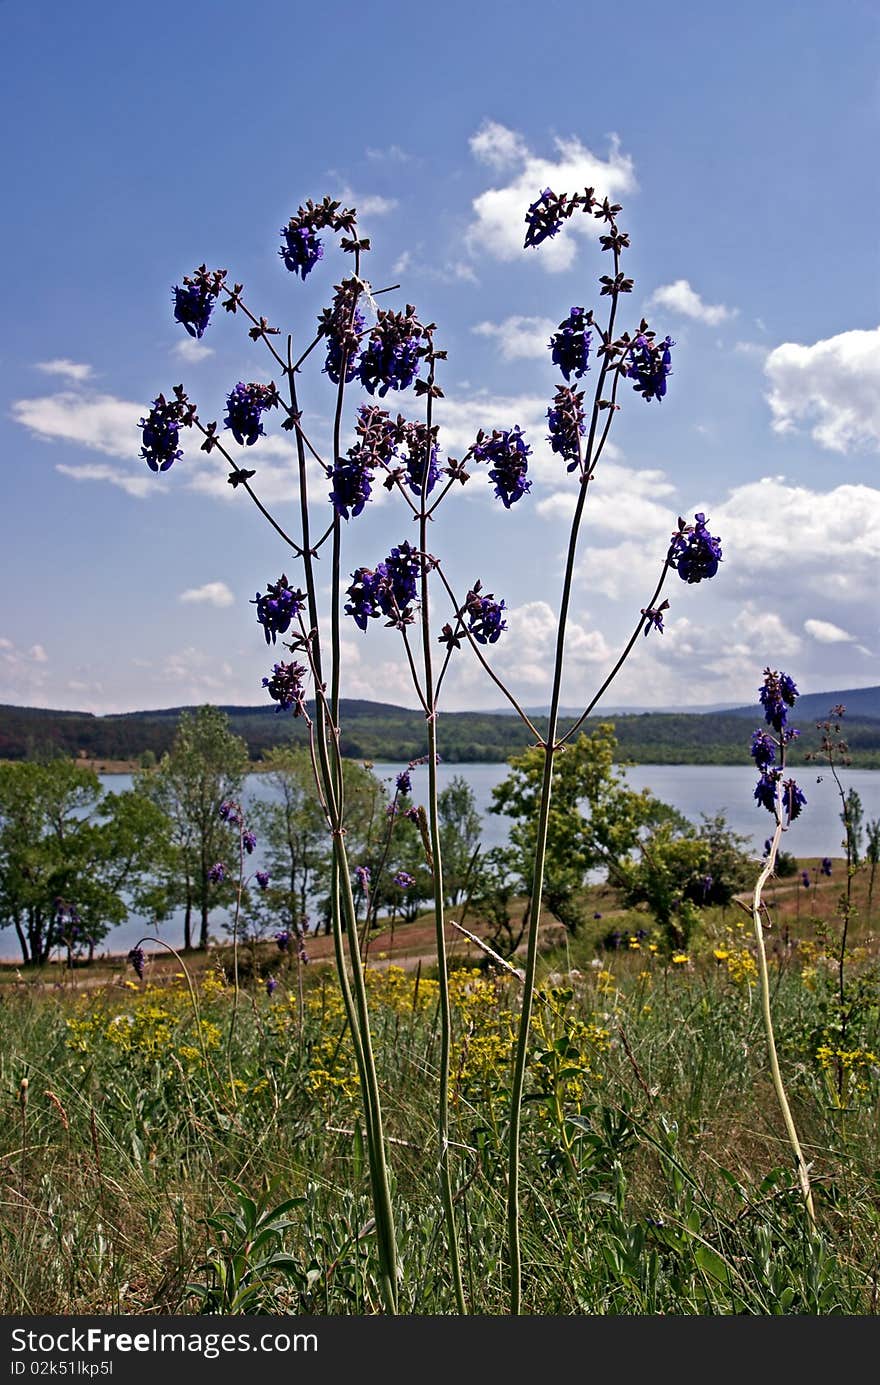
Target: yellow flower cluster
(860,1069)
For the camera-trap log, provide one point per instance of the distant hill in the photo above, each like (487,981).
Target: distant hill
(382,731)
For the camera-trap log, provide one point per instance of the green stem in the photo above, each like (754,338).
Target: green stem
(444,1170)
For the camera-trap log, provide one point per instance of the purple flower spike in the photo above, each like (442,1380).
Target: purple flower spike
(825,867)
(161,434)
(352,479)
(392,355)
(217,873)
(544,217)
(763,749)
(301,249)
(805,879)
(570,345)
(507,451)
(249,842)
(278,607)
(484,615)
(696,553)
(403,880)
(285,687)
(137,959)
(777,694)
(650,365)
(282,938)
(342,325)
(792,799)
(193,308)
(230,812)
(271,985)
(567,425)
(262,879)
(403,783)
(245,406)
(362,874)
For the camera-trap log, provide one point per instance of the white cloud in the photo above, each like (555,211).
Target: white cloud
(392,154)
(519,338)
(497,146)
(759,628)
(138,486)
(827,633)
(24,674)
(828,540)
(375,205)
(192,351)
(211,594)
(498,227)
(832,386)
(679,297)
(70,370)
(99,421)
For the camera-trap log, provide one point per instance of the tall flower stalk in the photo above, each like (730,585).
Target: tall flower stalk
(784,799)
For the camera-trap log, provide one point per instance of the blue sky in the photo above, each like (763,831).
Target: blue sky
(742,144)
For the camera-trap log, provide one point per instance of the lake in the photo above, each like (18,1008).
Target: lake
(692,789)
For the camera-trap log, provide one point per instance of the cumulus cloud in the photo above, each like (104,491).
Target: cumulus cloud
(100,422)
(827,633)
(134,484)
(211,594)
(831,387)
(70,370)
(192,351)
(519,338)
(828,540)
(24,674)
(679,297)
(498,226)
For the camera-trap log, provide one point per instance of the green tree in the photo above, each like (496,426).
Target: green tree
(206,765)
(595,821)
(872,855)
(292,832)
(851,817)
(73,860)
(459,835)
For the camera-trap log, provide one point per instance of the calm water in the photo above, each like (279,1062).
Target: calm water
(692,789)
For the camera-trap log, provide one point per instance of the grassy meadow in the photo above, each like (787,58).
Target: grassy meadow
(172,1147)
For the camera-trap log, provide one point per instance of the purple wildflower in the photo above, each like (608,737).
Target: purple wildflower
(776,694)
(412,813)
(654,617)
(825,867)
(161,434)
(285,687)
(765,790)
(403,880)
(415,436)
(363,596)
(282,938)
(362,874)
(217,873)
(245,405)
(567,425)
(301,954)
(695,552)
(262,879)
(249,842)
(352,479)
(485,621)
(805,879)
(278,607)
(271,985)
(403,783)
(544,217)
(650,365)
(342,325)
(507,451)
(301,249)
(137,959)
(792,799)
(230,812)
(391,357)
(763,749)
(570,345)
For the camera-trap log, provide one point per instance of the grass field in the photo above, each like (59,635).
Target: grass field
(158,1159)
